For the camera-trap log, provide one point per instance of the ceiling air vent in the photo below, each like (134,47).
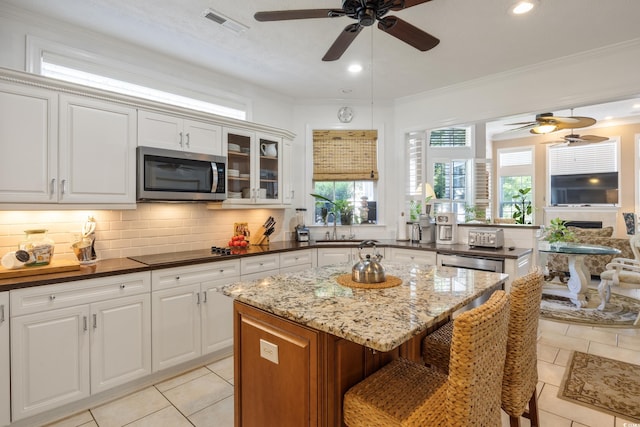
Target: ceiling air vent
(227,23)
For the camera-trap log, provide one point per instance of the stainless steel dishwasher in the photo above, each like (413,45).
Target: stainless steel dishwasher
(473,262)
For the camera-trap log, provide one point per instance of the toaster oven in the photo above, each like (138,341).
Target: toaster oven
(486,237)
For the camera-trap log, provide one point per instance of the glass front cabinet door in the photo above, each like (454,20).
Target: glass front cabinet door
(254,168)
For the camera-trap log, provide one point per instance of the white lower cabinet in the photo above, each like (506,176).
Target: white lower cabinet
(71,340)
(411,255)
(297,260)
(5,371)
(338,255)
(257,267)
(191,317)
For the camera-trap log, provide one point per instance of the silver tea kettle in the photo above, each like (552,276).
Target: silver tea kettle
(368,270)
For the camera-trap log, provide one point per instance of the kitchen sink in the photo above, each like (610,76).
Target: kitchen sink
(338,242)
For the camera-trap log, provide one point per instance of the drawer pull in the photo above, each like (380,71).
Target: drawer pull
(52,297)
(95,321)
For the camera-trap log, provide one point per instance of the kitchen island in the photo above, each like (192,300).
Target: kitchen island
(301,339)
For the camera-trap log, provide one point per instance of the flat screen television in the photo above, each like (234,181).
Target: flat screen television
(585,189)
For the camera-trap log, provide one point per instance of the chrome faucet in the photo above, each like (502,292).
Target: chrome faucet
(335,226)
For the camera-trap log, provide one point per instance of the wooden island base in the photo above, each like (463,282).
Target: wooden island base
(287,374)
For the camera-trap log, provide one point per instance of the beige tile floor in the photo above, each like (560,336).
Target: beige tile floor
(204,397)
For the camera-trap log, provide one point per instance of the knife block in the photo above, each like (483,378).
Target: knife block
(259,239)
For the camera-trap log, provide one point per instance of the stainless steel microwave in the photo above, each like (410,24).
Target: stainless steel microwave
(172,175)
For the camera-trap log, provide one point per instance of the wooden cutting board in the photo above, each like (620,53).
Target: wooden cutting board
(55,266)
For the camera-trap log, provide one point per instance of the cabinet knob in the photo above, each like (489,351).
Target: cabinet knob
(221,270)
(177,277)
(52,297)
(122,286)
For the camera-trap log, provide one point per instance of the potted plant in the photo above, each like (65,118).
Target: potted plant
(523,206)
(341,209)
(557,231)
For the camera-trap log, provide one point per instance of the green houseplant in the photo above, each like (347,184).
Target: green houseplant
(523,206)
(342,209)
(557,231)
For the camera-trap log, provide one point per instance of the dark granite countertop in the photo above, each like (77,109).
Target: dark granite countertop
(115,266)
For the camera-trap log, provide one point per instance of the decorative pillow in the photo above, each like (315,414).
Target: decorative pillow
(591,232)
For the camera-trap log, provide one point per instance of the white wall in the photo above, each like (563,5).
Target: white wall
(15,26)
(590,78)
(323,115)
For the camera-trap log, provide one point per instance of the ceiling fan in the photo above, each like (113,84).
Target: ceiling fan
(573,140)
(547,122)
(366,13)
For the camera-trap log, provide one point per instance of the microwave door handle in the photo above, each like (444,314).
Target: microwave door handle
(214,173)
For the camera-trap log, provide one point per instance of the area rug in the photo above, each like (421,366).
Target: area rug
(621,311)
(602,384)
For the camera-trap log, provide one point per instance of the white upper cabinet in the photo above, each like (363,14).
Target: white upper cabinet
(65,148)
(28,144)
(97,151)
(254,167)
(176,133)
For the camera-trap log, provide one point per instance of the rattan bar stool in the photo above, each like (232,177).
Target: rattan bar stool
(521,365)
(406,393)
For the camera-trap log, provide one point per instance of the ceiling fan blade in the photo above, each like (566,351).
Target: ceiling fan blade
(525,127)
(283,15)
(408,33)
(574,119)
(344,40)
(521,123)
(594,138)
(409,3)
(585,138)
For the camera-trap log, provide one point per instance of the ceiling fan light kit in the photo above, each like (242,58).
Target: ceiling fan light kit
(366,13)
(523,6)
(547,123)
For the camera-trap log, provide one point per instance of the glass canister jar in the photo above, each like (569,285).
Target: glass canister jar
(39,247)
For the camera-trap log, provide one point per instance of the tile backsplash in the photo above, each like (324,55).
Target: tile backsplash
(149,229)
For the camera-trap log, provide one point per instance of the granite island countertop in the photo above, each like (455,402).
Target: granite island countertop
(381,319)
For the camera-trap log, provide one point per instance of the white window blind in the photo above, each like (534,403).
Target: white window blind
(515,157)
(592,158)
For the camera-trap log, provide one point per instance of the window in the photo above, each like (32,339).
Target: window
(450,137)
(62,62)
(118,86)
(451,184)
(345,171)
(442,158)
(355,200)
(515,172)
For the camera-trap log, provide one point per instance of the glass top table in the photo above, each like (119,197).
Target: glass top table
(576,288)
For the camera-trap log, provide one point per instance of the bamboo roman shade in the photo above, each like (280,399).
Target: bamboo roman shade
(345,155)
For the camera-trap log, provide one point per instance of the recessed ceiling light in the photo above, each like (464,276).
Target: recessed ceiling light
(608,118)
(636,105)
(355,68)
(522,7)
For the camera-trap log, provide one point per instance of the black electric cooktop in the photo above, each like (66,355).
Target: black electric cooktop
(169,257)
